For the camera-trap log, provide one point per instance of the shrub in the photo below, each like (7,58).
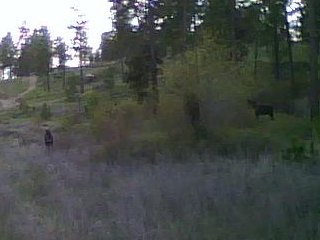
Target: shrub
(23,105)
(263,136)
(91,101)
(71,88)
(71,120)
(108,76)
(297,152)
(45,113)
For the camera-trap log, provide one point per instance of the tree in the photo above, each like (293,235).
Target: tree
(36,54)
(142,59)
(289,44)
(7,53)
(24,58)
(41,52)
(314,52)
(61,49)
(80,44)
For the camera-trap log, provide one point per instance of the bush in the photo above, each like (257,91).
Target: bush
(91,101)
(23,105)
(45,113)
(71,88)
(263,136)
(108,76)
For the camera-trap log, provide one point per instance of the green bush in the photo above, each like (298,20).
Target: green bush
(45,113)
(108,76)
(92,99)
(23,105)
(264,136)
(297,152)
(71,88)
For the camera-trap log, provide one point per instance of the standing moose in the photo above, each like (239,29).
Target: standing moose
(48,139)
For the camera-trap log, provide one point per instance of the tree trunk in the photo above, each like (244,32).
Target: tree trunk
(154,80)
(81,72)
(64,77)
(48,82)
(184,25)
(153,66)
(255,67)
(81,79)
(289,43)
(276,67)
(233,40)
(314,50)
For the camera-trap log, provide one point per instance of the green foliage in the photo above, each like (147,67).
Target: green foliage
(7,51)
(45,113)
(71,88)
(60,51)
(109,76)
(12,89)
(71,120)
(91,101)
(263,136)
(142,71)
(40,95)
(297,152)
(23,105)
(227,125)
(221,86)
(36,53)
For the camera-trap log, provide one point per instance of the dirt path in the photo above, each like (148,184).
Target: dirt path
(12,102)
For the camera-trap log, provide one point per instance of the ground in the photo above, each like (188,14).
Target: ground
(66,194)
(11,102)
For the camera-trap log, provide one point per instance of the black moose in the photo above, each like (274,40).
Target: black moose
(261,109)
(48,140)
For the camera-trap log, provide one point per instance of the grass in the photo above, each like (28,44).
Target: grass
(223,200)
(65,196)
(40,95)
(14,87)
(69,194)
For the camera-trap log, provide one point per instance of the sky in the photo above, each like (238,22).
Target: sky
(57,15)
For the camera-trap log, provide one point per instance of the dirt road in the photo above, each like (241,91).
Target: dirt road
(12,102)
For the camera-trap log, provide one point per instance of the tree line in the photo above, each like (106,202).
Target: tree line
(34,52)
(144,32)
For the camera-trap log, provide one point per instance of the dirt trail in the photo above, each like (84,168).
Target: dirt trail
(12,102)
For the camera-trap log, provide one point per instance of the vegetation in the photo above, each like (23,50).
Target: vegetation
(154,137)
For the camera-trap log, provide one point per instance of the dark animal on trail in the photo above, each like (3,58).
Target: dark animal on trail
(48,139)
(261,109)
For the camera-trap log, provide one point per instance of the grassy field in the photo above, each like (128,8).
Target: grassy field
(13,87)
(118,172)
(66,196)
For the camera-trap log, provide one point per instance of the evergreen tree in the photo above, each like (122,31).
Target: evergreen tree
(61,49)
(7,53)
(80,44)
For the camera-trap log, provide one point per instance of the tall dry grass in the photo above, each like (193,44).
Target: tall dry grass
(65,196)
